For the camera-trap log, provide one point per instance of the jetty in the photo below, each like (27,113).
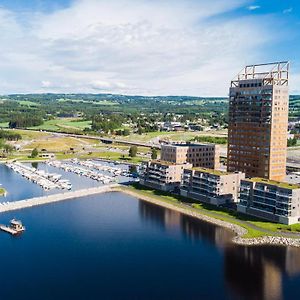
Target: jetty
(16,205)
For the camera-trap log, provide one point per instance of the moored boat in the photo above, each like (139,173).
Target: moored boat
(15,227)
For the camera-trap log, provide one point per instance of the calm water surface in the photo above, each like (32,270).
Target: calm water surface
(113,246)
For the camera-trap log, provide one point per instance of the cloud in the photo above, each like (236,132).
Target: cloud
(46,84)
(136,47)
(288,10)
(106,86)
(253,7)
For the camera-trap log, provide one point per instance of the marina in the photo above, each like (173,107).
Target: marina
(29,189)
(47,181)
(83,171)
(115,171)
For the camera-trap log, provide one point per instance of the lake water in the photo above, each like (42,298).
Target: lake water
(113,246)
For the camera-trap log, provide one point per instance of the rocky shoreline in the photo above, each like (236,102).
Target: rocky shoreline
(267,240)
(238,230)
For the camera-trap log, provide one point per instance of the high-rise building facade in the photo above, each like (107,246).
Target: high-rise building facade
(258,121)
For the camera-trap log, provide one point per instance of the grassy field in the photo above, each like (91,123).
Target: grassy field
(28,103)
(64,124)
(112,156)
(4,125)
(31,135)
(221,214)
(174,136)
(58,144)
(103,102)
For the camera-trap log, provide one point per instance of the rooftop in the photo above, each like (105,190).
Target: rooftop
(271,73)
(189,144)
(211,171)
(280,184)
(165,163)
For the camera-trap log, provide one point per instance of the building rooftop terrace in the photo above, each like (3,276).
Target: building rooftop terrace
(280,184)
(211,171)
(189,144)
(166,163)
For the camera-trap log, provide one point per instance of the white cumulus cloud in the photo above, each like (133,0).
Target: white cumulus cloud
(156,47)
(253,7)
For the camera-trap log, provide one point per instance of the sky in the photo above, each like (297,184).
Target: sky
(143,47)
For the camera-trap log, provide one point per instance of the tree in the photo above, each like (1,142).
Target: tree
(126,132)
(34,153)
(140,130)
(291,142)
(133,151)
(7,148)
(154,154)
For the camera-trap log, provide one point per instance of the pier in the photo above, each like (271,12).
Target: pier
(16,205)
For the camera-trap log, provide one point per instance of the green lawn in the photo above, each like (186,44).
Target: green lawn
(103,102)
(28,103)
(64,124)
(112,156)
(4,125)
(277,227)
(173,136)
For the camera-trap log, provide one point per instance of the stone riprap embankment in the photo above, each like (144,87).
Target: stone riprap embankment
(267,240)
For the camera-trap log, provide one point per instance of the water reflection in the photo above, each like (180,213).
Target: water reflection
(192,229)
(249,272)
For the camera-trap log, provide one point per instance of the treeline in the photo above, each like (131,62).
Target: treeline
(9,136)
(211,139)
(108,123)
(24,121)
(123,132)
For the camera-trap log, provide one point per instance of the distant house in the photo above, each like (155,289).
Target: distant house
(47,155)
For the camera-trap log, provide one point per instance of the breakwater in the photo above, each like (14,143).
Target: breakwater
(15,205)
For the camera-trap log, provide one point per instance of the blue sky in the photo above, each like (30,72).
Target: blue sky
(149,47)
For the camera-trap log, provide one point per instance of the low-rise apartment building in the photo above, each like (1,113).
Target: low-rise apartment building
(199,155)
(162,175)
(271,200)
(211,186)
